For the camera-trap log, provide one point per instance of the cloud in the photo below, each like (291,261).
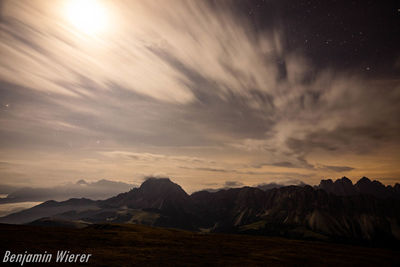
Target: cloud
(299,162)
(338,168)
(6,189)
(285,175)
(150,157)
(283,164)
(206,169)
(101,189)
(225,186)
(56,61)
(233,184)
(176,88)
(263,186)
(4,164)
(6,209)
(280,183)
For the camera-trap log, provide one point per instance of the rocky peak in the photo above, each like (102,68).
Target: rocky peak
(376,188)
(343,186)
(161,186)
(363,180)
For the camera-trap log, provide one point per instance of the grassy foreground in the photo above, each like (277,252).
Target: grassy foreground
(138,245)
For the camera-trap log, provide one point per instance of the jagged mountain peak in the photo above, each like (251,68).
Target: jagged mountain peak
(364,180)
(344,180)
(345,187)
(342,186)
(326,181)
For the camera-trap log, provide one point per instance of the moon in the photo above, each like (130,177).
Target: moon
(87,16)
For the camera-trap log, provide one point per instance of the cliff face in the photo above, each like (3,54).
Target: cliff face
(341,187)
(297,210)
(345,187)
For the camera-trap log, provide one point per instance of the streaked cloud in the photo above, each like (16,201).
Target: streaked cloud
(181,88)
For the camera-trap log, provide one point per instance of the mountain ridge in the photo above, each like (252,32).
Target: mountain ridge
(304,211)
(345,187)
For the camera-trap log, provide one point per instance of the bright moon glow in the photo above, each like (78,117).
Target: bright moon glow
(87,16)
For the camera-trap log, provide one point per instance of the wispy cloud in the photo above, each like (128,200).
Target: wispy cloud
(181,82)
(338,168)
(155,157)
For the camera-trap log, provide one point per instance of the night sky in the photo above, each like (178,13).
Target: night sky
(209,93)
(358,36)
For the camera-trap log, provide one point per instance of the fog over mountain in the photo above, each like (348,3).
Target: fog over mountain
(262,186)
(100,189)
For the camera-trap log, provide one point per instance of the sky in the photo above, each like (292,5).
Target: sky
(208,93)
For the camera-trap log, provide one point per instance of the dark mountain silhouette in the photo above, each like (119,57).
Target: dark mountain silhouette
(331,211)
(345,187)
(157,195)
(48,209)
(341,187)
(154,193)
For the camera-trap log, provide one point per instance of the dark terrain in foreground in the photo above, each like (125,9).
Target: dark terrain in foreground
(138,245)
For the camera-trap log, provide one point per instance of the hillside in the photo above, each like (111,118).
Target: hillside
(138,245)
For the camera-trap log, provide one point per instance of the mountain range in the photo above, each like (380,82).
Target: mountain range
(364,212)
(345,187)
